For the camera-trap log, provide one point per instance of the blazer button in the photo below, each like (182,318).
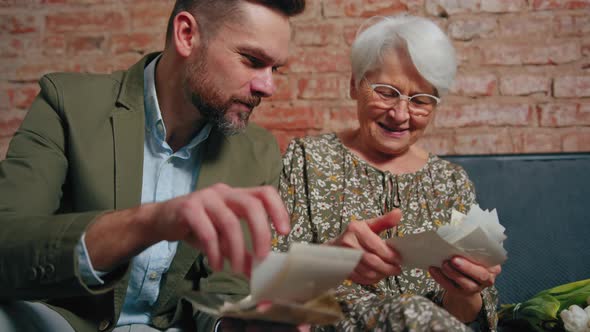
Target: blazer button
(104,324)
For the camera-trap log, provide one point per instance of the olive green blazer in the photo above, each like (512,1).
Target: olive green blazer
(79,153)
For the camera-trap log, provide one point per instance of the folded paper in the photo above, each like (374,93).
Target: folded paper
(297,283)
(477,236)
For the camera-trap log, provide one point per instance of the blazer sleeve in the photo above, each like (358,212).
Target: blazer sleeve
(37,244)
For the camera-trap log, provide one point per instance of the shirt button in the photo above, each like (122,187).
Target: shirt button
(153,276)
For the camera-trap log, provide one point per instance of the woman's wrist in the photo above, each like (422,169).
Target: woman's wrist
(464,308)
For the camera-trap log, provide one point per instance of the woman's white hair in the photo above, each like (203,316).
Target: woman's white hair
(428,46)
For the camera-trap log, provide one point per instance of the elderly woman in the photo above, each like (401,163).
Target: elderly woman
(340,188)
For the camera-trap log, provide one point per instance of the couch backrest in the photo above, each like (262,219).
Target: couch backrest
(544,203)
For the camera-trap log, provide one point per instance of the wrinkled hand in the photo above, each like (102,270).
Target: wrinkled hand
(463,281)
(379,260)
(209,220)
(459,276)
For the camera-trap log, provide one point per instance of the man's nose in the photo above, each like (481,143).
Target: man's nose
(263,84)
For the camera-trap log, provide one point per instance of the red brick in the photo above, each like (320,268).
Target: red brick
(319,60)
(83,45)
(11,47)
(100,64)
(139,42)
(33,69)
(85,21)
(472,28)
(324,87)
(577,141)
(572,25)
(286,88)
(18,24)
(437,143)
(283,115)
(342,117)
(468,53)
(19,96)
(560,4)
(474,84)
(362,8)
(571,86)
(533,25)
(153,16)
(54,44)
(482,114)
(10,121)
(444,8)
(586,47)
(313,11)
(317,34)
(501,6)
(519,53)
(538,141)
(350,31)
(483,142)
(564,114)
(524,84)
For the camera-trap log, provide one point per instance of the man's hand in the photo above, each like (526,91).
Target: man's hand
(208,219)
(379,260)
(463,281)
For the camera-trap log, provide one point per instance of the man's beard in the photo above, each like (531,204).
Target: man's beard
(209,100)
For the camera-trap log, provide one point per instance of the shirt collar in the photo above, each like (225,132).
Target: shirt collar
(153,115)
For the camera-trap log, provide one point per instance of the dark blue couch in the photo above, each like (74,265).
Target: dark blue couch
(544,203)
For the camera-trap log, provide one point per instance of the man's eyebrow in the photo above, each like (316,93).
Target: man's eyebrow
(262,55)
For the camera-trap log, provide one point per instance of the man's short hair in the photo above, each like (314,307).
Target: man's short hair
(211,14)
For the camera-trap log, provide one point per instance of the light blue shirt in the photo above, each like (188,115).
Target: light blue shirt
(166,174)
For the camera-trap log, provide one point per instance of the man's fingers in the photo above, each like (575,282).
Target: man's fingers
(385,221)
(203,235)
(229,231)
(253,210)
(274,206)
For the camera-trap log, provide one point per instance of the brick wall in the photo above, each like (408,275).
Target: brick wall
(523,83)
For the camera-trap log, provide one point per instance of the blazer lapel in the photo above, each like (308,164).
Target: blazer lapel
(128,120)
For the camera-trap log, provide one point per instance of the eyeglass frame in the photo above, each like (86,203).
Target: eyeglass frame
(402,96)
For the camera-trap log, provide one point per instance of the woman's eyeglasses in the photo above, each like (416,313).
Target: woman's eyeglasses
(421,104)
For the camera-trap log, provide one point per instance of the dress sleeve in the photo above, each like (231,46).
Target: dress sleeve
(293,191)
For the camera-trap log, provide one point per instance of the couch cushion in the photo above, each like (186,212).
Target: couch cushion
(542,200)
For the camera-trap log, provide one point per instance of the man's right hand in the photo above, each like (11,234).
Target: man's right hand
(379,260)
(208,219)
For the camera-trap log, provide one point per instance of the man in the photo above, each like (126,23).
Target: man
(121,193)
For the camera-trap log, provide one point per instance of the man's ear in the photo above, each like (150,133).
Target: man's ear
(186,36)
(352,89)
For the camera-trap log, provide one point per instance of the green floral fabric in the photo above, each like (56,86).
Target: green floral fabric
(325,187)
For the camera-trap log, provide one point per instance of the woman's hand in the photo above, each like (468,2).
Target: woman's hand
(379,260)
(463,281)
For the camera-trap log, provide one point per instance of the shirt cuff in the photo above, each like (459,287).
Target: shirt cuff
(89,275)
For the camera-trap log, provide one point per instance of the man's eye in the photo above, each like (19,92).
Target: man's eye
(254,62)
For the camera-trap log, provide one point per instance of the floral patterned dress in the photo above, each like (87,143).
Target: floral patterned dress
(325,186)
